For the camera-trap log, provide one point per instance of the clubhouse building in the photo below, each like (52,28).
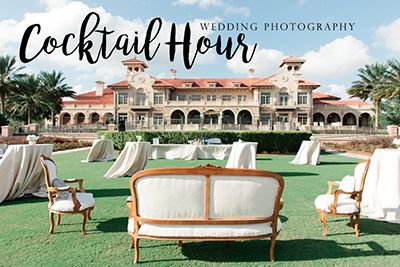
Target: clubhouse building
(282,101)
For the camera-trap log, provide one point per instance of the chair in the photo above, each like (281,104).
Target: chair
(72,202)
(346,200)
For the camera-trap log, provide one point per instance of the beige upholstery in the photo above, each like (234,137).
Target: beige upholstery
(344,205)
(210,231)
(182,197)
(67,205)
(358,172)
(52,171)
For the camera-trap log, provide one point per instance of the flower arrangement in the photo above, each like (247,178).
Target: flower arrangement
(139,138)
(396,142)
(32,139)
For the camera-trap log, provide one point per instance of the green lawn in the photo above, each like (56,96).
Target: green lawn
(24,224)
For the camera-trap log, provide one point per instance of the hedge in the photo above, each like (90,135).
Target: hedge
(268,141)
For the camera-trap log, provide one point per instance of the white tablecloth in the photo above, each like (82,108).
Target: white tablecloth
(381,195)
(20,170)
(308,153)
(101,150)
(132,159)
(189,152)
(243,155)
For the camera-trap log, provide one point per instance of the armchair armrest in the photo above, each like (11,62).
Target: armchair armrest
(72,190)
(330,186)
(76,180)
(332,207)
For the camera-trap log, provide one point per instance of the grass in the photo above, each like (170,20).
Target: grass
(24,225)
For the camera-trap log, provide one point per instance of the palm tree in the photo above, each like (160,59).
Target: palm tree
(29,97)
(53,84)
(393,90)
(372,84)
(8,75)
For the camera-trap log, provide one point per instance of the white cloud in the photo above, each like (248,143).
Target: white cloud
(200,3)
(389,35)
(228,9)
(51,4)
(265,62)
(336,59)
(245,11)
(338,90)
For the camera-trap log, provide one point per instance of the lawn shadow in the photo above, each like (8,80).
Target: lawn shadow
(286,250)
(263,158)
(374,227)
(28,199)
(337,163)
(297,174)
(111,192)
(283,218)
(114,225)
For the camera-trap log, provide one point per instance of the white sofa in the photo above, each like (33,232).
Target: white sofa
(204,203)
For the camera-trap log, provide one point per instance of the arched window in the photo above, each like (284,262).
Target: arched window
(244,117)
(178,117)
(141,98)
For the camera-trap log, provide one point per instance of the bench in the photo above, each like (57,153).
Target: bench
(204,203)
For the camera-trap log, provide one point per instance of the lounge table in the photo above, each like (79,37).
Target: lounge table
(381,195)
(20,170)
(243,155)
(308,153)
(189,152)
(133,158)
(101,150)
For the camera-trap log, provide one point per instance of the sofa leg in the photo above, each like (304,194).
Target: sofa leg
(325,226)
(133,243)
(84,214)
(58,219)
(357,223)
(180,243)
(51,223)
(272,249)
(321,216)
(136,244)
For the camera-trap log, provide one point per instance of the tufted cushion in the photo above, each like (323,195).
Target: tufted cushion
(237,230)
(347,184)
(86,200)
(344,205)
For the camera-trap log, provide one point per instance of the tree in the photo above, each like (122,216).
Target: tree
(390,112)
(372,84)
(393,90)
(53,84)
(8,76)
(29,97)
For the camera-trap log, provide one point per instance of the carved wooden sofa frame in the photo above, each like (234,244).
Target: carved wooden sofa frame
(205,171)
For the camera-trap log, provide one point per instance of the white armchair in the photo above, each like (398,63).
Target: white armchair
(64,199)
(346,200)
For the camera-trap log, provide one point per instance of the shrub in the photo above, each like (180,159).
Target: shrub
(368,145)
(268,141)
(59,143)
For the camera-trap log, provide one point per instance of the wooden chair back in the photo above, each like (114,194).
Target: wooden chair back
(50,170)
(364,172)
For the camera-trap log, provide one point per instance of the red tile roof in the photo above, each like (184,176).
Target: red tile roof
(340,102)
(322,96)
(91,98)
(292,60)
(201,83)
(134,60)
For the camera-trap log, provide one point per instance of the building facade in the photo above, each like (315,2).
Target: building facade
(281,101)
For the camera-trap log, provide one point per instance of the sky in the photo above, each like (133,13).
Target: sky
(332,57)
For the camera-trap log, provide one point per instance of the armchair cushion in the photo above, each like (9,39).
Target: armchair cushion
(344,205)
(347,184)
(238,230)
(67,205)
